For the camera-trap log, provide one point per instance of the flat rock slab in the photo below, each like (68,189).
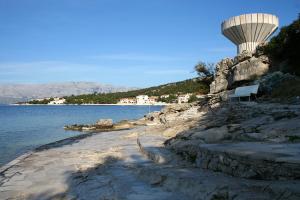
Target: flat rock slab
(198,183)
(207,185)
(152,146)
(289,153)
(110,166)
(101,166)
(252,159)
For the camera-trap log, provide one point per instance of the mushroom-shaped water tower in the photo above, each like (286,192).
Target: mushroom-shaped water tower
(249,30)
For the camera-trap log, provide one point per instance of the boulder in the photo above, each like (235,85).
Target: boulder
(104,123)
(244,67)
(212,135)
(153,116)
(218,85)
(221,81)
(249,70)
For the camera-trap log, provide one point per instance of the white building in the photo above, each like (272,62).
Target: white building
(57,101)
(127,101)
(184,98)
(142,99)
(164,96)
(152,99)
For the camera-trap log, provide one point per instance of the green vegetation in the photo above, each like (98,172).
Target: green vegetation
(205,71)
(171,89)
(193,98)
(284,49)
(287,89)
(171,99)
(44,101)
(293,138)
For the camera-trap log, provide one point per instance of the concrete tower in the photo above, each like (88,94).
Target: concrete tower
(249,30)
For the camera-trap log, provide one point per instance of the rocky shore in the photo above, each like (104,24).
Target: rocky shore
(106,125)
(206,150)
(211,149)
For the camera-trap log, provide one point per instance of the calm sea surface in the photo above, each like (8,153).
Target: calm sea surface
(22,128)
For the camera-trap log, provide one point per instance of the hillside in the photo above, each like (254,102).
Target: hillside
(187,86)
(284,49)
(11,93)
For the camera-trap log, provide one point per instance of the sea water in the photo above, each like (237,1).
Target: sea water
(23,128)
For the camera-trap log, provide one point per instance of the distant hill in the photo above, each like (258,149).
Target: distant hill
(11,93)
(182,87)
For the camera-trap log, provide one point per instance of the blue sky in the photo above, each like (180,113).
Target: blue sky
(122,42)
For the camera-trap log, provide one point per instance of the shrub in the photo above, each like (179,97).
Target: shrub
(205,71)
(284,49)
(193,98)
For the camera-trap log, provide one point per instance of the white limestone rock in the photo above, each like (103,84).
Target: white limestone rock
(249,70)
(105,123)
(222,75)
(212,135)
(244,67)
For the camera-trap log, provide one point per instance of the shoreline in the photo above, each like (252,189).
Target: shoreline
(88,104)
(56,144)
(75,166)
(68,140)
(65,141)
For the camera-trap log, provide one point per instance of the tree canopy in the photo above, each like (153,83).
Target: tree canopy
(205,71)
(284,48)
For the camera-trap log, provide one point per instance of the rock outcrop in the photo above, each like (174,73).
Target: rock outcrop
(244,67)
(253,143)
(206,150)
(272,80)
(222,76)
(105,125)
(249,69)
(254,140)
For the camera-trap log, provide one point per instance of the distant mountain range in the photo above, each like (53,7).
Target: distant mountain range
(195,86)
(12,93)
